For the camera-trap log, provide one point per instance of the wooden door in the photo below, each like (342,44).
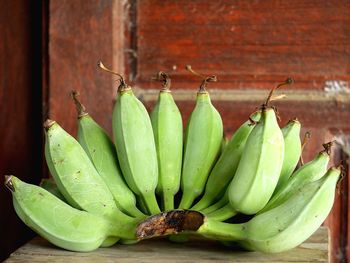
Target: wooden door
(249,45)
(20,110)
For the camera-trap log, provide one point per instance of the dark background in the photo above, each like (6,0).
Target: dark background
(51,47)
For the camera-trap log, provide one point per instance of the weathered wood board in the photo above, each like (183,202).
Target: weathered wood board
(315,249)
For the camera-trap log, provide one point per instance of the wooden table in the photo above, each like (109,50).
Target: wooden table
(315,249)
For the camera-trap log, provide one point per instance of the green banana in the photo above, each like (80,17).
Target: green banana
(309,172)
(279,229)
(226,166)
(295,220)
(50,186)
(167,128)
(56,221)
(76,177)
(292,150)
(102,153)
(203,138)
(260,166)
(134,140)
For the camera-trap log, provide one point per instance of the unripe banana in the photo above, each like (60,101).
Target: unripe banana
(167,128)
(291,223)
(225,168)
(292,150)
(260,166)
(102,153)
(75,175)
(56,221)
(203,138)
(50,186)
(309,172)
(134,140)
(282,228)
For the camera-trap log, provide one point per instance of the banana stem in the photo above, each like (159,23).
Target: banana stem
(151,203)
(205,80)
(134,212)
(186,200)
(103,67)
(328,147)
(168,200)
(306,139)
(169,223)
(223,213)
(165,79)
(123,229)
(141,205)
(205,201)
(288,81)
(222,231)
(81,110)
(190,222)
(223,201)
(123,85)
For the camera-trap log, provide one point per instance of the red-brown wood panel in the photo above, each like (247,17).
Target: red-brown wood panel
(249,44)
(20,114)
(80,34)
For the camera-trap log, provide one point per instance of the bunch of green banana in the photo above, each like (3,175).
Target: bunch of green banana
(276,230)
(101,187)
(102,154)
(134,140)
(225,168)
(61,224)
(203,139)
(167,128)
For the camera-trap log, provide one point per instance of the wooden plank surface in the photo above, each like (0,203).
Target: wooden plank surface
(246,43)
(315,249)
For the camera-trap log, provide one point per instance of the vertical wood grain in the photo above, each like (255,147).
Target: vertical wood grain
(20,114)
(249,44)
(80,34)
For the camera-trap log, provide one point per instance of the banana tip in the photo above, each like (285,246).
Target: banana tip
(9,183)
(48,123)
